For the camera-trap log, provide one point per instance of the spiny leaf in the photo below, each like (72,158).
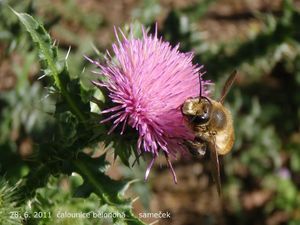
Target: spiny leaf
(92,169)
(48,52)
(9,200)
(66,129)
(52,66)
(111,192)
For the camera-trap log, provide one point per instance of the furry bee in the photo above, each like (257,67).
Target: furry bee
(212,125)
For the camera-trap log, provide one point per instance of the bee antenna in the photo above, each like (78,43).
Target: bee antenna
(200,89)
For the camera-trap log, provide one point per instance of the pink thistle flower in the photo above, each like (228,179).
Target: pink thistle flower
(148,81)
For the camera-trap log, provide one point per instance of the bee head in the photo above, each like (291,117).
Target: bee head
(197,110)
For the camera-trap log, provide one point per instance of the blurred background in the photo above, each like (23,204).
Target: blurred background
(259,38)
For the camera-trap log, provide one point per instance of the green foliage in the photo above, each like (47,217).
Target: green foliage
(61,151)
(26,105)
(54,68)
(147,11)
(10,212)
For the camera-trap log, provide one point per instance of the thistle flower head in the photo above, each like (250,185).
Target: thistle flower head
(148,80)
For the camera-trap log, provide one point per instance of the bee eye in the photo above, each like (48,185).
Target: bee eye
(199,119)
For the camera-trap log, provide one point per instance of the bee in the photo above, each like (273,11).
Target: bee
(212,125)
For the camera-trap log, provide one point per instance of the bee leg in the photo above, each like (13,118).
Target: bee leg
(196,148)
(202,146)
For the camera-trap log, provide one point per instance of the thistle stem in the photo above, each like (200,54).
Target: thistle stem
(85,171)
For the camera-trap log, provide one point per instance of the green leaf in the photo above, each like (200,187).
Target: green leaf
(9,200)
(53,67)
(92,169)
(111,192)
(47,51)
(66,133)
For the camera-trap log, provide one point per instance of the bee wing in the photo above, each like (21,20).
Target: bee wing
(228,85)
(215,166)
(196,148)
